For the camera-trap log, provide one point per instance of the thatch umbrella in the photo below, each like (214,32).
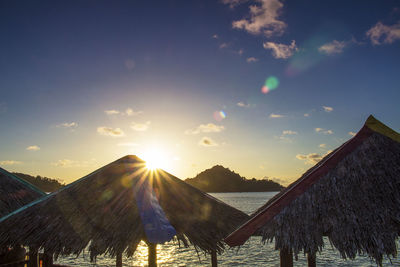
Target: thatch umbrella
(117,206)
(15,193)
(352,196)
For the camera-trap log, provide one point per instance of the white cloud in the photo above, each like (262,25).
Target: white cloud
(312,158)
(207,142)
(352,133)
(10,162)
(251,59)
(306,115)
(334,47)
(322,130)
(128,144)
(289,132)
(281,50)
(140,127)
(131,112)
(33,148)
(206,128)
(111,112)
(384,34)
(113,132)
(273,116)
(322,146)
(327,109)
(67,125)
(263,19)
(215,36)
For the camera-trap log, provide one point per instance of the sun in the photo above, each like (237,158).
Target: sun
(155,159)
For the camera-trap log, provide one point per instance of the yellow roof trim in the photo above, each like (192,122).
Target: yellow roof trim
(381,128)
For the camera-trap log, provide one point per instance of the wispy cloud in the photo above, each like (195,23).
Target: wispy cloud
(322,130)
(33,148)
(384,34)
(274,116)
(140,127)
(207,142)
(322,146)
(223,45)
(127,112)
(289,132)
(281,50)
(63,163)
(113,132)
(215,36)
(334,47)
(327,109)
(263,19)
(111,112)
(306,114)
(233,3)
(243,105)
(10,162)
(251,59)
(67,125)
(352,133)
(206,128)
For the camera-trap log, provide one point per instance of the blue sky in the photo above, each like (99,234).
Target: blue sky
(86,82)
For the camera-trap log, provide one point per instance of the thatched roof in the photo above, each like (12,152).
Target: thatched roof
(15,192)
(101,210)
(352,196)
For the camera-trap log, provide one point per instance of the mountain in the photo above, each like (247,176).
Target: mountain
(43,183)
(221,179)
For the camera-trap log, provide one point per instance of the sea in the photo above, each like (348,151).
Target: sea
(252,253)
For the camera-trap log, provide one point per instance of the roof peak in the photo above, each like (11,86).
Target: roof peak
(377,126)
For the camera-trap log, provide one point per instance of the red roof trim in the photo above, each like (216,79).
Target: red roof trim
(240,235)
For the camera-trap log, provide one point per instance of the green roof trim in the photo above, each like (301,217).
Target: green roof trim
(381,128)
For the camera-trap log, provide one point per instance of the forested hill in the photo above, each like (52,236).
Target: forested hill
(43,183)
(220,179)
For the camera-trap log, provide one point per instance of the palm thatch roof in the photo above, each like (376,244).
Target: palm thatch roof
(101,210)
(15,192)
(352,196)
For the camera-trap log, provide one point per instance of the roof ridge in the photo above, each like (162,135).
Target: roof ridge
(379,127)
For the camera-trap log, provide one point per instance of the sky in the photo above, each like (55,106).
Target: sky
(263,87)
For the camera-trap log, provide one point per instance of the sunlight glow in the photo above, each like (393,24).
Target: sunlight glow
(155,159)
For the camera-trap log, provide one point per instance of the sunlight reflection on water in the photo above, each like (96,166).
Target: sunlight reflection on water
(252,253)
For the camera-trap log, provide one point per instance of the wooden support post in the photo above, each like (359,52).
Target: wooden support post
(33,257)
(311,258)
(152,254)
(214,261)
(118,260)
(286,258)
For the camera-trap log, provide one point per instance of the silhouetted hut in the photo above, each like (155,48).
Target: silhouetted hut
(112,209)
(15,193)
(352,196)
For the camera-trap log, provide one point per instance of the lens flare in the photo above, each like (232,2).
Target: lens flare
(219,115)
(271,83)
